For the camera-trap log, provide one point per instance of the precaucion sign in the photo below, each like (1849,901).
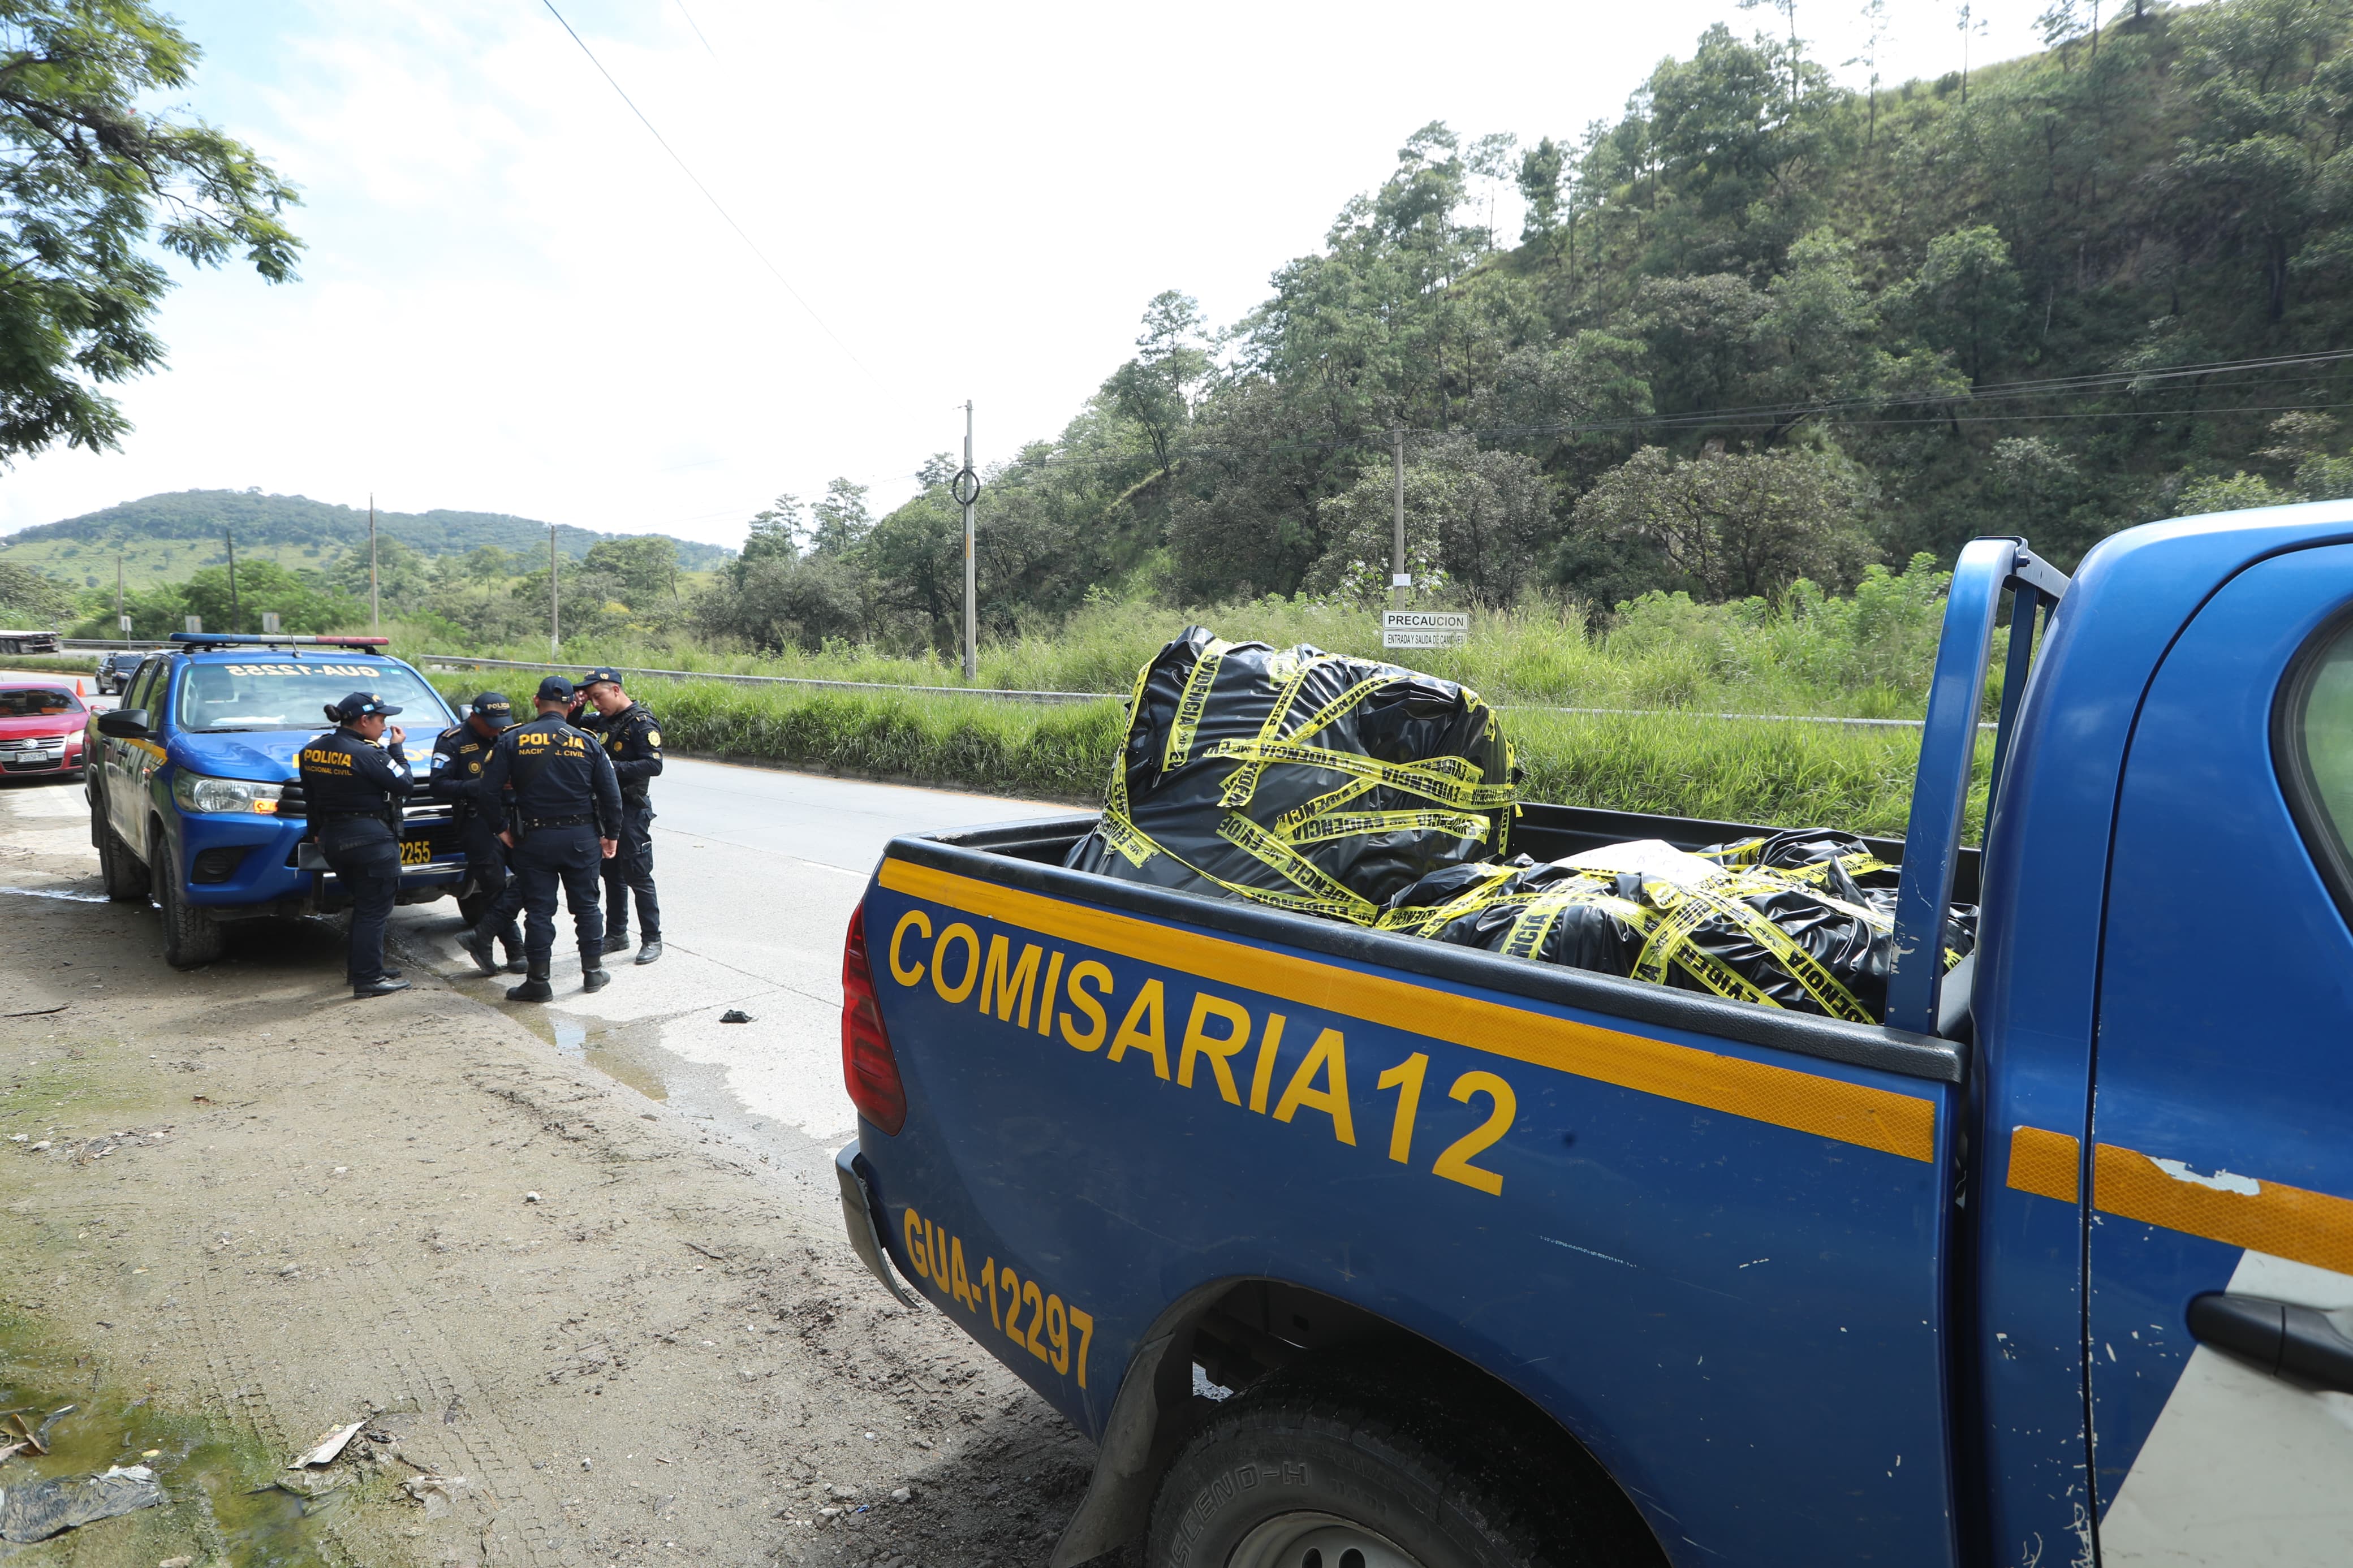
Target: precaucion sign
(1425,628)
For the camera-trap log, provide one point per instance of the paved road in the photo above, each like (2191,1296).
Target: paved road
(758,870)
(66,678)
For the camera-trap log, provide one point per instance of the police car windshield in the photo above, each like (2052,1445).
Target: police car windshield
(284,694)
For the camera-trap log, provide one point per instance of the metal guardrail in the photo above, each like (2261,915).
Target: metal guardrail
(447,661)
(1743,718)
(444,661)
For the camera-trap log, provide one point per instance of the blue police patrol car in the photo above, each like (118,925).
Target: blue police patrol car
(193,793)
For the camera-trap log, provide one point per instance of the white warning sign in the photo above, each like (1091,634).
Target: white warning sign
(1425,628)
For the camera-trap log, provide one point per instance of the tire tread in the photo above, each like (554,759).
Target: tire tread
(1532,1497)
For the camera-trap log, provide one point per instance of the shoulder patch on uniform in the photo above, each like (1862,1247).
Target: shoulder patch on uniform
(653,737)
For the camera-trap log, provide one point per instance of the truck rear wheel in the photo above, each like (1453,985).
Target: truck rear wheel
(125,877)
(191,935)
(1349,1467)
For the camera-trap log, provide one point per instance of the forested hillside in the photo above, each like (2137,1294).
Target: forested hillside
(1757,327)
(460,576)
(167,537)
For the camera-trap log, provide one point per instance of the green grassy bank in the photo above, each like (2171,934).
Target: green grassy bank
(1683,766)
(1867,654)
(62,663)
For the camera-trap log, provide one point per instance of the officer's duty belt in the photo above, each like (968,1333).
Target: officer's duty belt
(557,821)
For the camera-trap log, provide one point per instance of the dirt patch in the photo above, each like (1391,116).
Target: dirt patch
(238,1209)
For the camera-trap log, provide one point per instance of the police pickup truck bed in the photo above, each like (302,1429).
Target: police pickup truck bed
(193,791)
(1352,1248)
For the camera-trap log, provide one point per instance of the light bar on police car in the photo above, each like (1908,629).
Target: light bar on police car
(266,640)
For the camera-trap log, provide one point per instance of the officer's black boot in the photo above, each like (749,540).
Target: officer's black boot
(477,946)
(514,946)
(652,951)
(536,988)
(593,975)
(616,941)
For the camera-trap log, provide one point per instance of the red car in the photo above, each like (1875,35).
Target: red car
(40,728)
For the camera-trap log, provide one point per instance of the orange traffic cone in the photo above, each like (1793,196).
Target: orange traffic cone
(80,689)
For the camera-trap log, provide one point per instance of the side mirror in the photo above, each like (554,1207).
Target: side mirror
(125,723)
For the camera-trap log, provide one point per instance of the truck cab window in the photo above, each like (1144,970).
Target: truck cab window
(2313,743)
(142,684)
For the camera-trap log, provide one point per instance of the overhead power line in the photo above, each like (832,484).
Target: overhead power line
(696,26)
(715,205)
(1952,407)
(1998,392)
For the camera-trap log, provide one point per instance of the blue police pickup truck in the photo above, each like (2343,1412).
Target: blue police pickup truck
(193,791)
(1353,1250)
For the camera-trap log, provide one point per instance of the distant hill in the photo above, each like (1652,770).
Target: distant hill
(166,537)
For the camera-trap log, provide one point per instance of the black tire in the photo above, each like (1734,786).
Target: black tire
(191,935)
(125,877)
(1351,1465)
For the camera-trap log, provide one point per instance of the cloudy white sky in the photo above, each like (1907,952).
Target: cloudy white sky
(514,300)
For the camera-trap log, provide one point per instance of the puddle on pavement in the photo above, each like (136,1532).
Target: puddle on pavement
(223,1501)
(617,1052)
(59,893)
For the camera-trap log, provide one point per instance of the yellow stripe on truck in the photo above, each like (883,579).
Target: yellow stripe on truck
(2272,1217)
(2044,1163)
(1854,1113)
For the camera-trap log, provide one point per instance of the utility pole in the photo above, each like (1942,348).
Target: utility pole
(375,620)
(234,615)
(1400,578)
(554,624)
(122,615)
(966,491)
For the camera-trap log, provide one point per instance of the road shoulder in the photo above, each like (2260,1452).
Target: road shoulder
(237,1196)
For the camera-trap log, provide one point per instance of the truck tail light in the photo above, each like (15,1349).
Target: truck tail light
(868,1065)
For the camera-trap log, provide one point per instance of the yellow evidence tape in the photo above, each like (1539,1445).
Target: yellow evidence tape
(1869,1118)
(2294,1222)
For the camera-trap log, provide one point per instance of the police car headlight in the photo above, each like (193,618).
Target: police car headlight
(199,793)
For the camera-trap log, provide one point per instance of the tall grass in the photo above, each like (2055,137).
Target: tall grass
(1867,656)
(1059,753)
(63,663)
(1780,774)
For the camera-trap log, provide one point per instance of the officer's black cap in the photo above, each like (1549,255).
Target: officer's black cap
(555,688)
(494,706)
(359,705)
(599,673)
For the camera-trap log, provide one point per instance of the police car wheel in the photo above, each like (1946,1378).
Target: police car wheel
(191,935)
(1351,1465)
(125,877)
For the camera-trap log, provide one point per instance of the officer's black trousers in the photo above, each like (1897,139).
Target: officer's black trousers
(547,858)
(631,870)
(365,858)
(486,864)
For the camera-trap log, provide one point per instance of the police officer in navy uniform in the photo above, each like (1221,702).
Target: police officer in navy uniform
(632,739)
(461,750)
(563,815)
(354,788)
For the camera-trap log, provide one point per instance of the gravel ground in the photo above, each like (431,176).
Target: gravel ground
(240,1209)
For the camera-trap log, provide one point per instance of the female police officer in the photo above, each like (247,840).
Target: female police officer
(354,789)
